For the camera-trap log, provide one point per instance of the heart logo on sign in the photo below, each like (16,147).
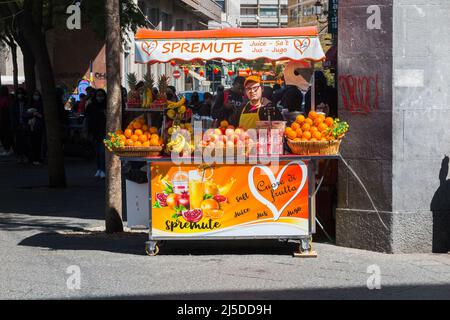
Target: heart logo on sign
(302,44)
(149,47)
(276,182)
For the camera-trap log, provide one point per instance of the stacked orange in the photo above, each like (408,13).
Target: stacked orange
(138,134)
(316,127)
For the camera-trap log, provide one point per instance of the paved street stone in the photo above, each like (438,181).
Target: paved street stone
(44,231)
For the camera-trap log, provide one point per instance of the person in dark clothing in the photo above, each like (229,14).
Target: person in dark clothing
(292,99)
(205,108)
(35,120)
(20,126)
(326,96)
(256,109)
(278,92)
(6,135)
(230,101)
(172,94)
(96,117)
(268,93)
(195,103)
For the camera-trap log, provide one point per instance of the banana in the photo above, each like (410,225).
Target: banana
(175,105)
(177,145)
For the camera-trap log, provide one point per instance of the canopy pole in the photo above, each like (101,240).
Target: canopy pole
(313,90)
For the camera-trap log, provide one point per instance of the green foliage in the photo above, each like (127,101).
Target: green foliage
(114,141)
(339,129)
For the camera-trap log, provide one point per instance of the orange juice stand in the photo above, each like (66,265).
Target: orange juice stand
(253,199)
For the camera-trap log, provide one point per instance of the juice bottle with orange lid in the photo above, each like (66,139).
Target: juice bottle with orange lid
(180,182)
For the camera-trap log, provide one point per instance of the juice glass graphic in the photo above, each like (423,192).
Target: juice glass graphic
(196,189)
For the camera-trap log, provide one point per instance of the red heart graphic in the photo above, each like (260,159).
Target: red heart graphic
(302,44)
(149,47)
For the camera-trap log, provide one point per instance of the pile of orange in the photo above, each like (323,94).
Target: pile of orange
(316,127)
(138,134)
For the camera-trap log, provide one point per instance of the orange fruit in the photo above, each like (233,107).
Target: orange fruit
(317,135)
(123,138)
(322,127)
(300,119)
(144,128)
(146,144)
(291,134)
(309,121)
(137,125)
(155,136)
(134,138)
(306,127)
(119,132)
(304,139)
(313,140)
(214,214)
(329,122)
(128,133)
(153,130)
(323,139)
(129,143)
(313,129)
(295,126)
(138,132)
(299,133)
(154,142)
(307,135)
(313,115)
(297,139)
(210,204)
(137,144)
(143,138)
(318,121)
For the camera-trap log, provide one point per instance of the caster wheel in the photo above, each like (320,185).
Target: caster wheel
(150,252)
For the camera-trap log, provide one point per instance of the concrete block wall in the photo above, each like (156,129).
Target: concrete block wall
(400,126)
(421,129)
(365,101)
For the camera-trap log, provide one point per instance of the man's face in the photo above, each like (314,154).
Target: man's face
(253,91)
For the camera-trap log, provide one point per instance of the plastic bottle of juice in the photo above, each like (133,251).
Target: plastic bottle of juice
(180,182)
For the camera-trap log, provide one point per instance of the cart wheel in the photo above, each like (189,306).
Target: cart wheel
(150,252)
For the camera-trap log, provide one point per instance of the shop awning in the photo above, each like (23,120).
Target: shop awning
(229,44)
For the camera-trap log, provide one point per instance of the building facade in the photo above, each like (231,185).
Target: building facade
(302,13)
(175,15)
(263,13)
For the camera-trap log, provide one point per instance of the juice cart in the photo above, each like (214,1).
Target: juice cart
(251,199)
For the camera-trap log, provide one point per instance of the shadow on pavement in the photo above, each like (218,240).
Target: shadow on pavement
(126,243)
(134,243)
(24,190)
(413,292)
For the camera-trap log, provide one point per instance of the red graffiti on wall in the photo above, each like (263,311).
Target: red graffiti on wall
(359,94)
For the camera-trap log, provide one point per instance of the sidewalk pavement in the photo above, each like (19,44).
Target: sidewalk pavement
(45,231)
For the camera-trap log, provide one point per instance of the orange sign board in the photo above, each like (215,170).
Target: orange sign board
(230,200)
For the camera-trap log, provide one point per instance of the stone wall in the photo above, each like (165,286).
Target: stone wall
(394,91)
(365,101)
(421,131)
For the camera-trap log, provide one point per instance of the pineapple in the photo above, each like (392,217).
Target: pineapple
(163,86)
(133,95)
(149,81)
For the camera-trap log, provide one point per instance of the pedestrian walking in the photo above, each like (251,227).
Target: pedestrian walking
(20,126)
(96,117)
(6,136)
(35,117)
